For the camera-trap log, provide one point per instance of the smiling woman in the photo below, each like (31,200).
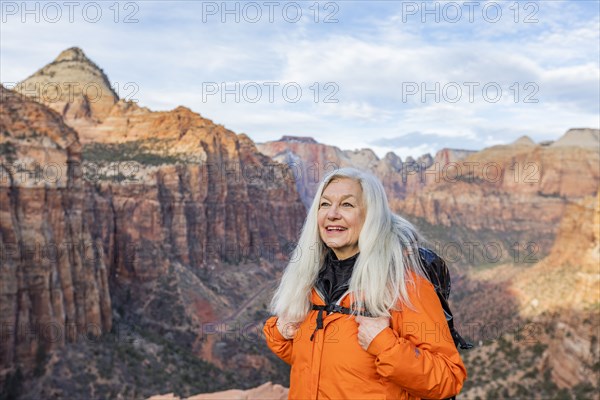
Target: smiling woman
(358,319)
(341,216)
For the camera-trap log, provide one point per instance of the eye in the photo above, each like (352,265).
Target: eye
(324,204)
(346,204)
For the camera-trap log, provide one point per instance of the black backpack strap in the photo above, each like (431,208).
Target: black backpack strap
(459,341)
(328,308)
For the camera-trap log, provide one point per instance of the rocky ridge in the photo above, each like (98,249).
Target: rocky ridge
(552,347)
(54,275)
(505,194)
(179,214)
(311,161)
(73,86)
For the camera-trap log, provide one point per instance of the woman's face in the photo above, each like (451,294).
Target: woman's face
(341,216)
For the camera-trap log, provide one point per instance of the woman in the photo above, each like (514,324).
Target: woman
(354,315)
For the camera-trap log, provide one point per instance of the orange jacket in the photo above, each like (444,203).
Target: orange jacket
(414,358)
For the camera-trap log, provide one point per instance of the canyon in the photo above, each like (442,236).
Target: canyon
(140,248)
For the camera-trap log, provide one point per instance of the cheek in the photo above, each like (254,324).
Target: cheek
(320,219)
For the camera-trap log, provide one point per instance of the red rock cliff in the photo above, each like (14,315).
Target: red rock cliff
(54,278)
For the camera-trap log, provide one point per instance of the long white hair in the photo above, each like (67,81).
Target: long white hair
(388,246)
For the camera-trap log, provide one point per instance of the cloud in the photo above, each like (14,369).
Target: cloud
(434,140)
(373,54)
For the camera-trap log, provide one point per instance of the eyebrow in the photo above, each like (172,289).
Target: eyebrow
(343,197)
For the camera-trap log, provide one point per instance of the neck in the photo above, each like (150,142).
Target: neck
(344,255)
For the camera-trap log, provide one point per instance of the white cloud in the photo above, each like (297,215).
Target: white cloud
(369,54)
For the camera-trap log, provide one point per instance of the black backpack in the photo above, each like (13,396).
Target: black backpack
(437,272)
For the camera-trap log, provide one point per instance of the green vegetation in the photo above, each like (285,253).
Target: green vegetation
(554,195)
(476,180)
(145,152)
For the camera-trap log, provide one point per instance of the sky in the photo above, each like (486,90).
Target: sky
(411,77)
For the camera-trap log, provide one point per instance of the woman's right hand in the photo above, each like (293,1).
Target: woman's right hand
(287,328)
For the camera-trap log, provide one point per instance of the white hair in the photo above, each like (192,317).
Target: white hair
(388,246)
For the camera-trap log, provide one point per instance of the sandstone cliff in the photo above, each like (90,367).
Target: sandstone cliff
(267,391)
(446,156)
(186,223)
(550,343)
(54,275)
(511,197)
(507,194)
(568,279)
(311,161)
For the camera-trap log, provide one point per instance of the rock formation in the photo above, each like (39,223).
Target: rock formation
(54,275)
(568,279)
(267,391)
(73,86)
(181,221)
(566,285)
(579,137)
(518,191)
(524,141)
(174,229)
(311,161)
(550,343)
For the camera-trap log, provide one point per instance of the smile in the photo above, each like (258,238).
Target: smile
(335,229)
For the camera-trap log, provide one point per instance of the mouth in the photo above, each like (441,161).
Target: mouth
(335,228)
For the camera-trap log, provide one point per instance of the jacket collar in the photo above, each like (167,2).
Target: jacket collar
(317,299)
(332,259)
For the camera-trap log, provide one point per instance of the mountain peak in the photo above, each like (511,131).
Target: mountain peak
(579,137)
(72,54)
(524,141)
(72,85)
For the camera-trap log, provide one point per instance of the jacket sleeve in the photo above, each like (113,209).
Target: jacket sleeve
(417,352)
(279,345)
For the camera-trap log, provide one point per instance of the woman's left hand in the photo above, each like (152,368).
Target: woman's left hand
(368,328)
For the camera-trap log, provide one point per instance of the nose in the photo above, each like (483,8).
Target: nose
(333,212)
